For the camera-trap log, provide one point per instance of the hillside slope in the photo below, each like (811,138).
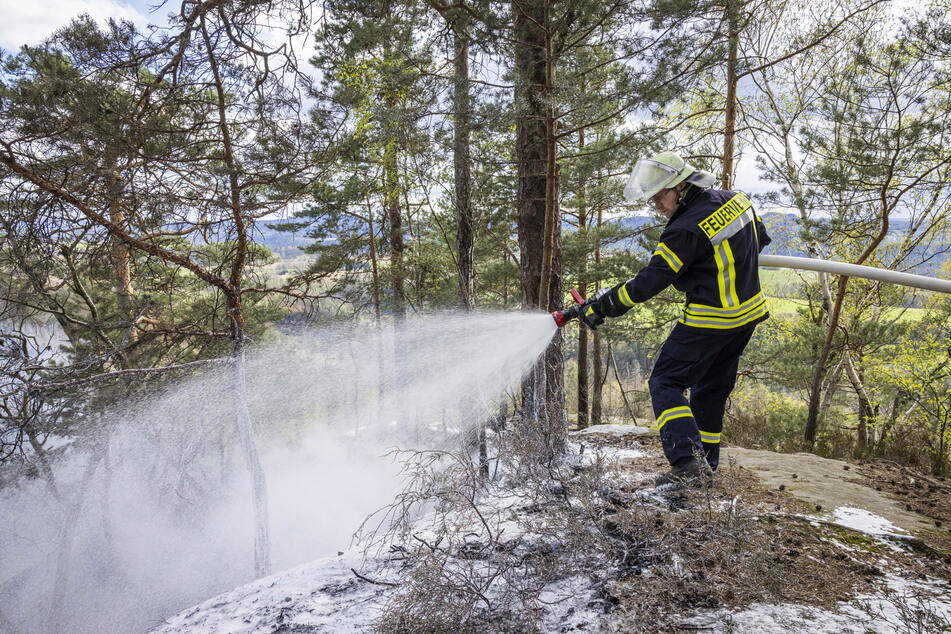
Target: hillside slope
(781,544)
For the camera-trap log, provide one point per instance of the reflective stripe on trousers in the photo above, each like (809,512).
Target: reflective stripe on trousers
(705,362)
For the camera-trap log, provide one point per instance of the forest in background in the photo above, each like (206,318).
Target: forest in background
(468,155)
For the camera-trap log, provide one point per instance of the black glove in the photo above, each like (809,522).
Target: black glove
(604,303)
(590,315)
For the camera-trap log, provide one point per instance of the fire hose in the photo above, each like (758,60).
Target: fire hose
(562,317)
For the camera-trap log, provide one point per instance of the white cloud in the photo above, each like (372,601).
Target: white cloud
(31,21)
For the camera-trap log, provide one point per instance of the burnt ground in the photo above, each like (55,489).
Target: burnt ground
(605,552)
(745,541)
(924,494)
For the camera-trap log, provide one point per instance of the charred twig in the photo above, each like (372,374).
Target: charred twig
(373,581)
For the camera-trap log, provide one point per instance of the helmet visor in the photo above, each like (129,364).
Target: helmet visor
(647,178)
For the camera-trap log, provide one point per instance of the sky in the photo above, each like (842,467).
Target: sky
(30,21)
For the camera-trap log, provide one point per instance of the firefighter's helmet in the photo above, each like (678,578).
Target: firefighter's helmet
(662,171)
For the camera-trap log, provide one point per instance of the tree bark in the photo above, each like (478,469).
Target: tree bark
(462,181)
(374,263)
(531,155)
(831,385)
(597,379)
(583,394)
(259,503)
(557,420)
(729,126)
(391,202)
(552,215)
(121,260)
(461,161)
(867,412)
(531,149)
(597,365)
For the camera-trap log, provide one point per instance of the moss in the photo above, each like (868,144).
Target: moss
(854,539)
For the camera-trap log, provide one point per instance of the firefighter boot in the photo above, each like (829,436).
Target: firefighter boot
(687,472)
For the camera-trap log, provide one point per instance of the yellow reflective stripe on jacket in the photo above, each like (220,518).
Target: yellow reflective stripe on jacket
(722,323)
(709,437)
(735,313)
(731,291)
(740,315)
(726,274)
(732,214)
(623,296)
(670,414)
(665,252)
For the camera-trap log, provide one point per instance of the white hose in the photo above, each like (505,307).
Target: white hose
(855,270)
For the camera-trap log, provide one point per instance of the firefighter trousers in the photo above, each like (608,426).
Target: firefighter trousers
(705,361)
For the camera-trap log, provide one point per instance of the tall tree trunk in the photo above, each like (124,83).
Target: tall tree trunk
(557,419)
(867,412)
(862,438)
(462,175)
(597,379)
(584,400)
(374,263)
(531,149)
(67,537)
(552,215)
(259,496)
(597,365)
(377,314)
(814,249)
(531,155)
(262,542)
(462,180)
(391,182)
(897,405)
(121,261)
(831,386)
(391,203)
(733,8)
(583,393)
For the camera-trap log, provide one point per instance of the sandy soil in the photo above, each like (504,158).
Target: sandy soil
(825,483)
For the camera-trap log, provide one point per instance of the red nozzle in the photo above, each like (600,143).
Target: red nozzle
(563,317)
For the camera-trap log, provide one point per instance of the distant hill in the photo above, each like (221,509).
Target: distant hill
(284,243)
(785,229)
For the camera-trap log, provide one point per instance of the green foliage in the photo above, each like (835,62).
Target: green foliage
(920,369)
(762,418)
(867,140)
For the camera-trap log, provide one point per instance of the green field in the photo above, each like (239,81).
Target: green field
(783,306)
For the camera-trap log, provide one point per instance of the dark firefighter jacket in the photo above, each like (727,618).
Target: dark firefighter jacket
(710,251)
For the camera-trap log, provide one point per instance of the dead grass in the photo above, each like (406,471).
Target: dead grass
(927,495)
(730,548)
(651,560)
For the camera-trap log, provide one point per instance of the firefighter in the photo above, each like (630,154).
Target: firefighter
(709,250)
